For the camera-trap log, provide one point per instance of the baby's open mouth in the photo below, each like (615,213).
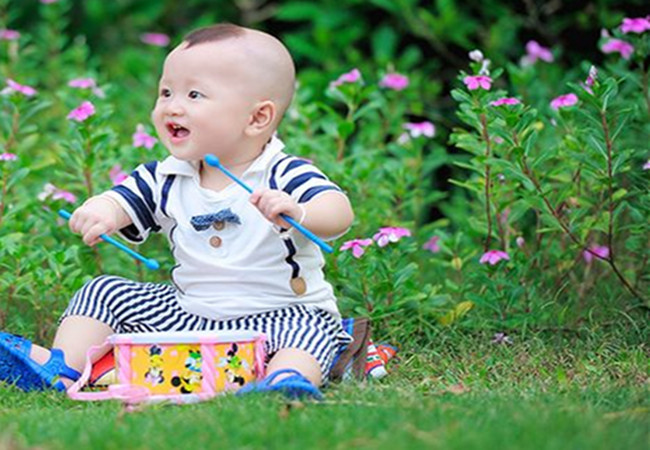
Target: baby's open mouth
(177,131)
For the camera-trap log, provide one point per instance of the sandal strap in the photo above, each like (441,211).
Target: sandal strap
(56,365)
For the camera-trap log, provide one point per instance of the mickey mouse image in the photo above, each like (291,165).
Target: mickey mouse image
(234,365)
(190,379)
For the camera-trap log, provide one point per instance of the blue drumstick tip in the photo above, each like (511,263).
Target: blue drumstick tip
(212,160)
(152,264)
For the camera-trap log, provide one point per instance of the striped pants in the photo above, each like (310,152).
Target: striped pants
(132,307)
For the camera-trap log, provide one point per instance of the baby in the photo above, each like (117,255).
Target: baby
(239,265)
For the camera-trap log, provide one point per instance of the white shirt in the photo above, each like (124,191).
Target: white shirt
(240,269)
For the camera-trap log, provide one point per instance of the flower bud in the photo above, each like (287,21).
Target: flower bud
(476,55)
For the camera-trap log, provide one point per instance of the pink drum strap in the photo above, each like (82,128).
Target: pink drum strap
(125,392)
(260,357)
(208,369)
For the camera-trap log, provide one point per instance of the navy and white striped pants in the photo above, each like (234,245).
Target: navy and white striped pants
(130,307)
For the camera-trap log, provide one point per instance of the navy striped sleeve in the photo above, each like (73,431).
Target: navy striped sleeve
(299,178)
(139,195)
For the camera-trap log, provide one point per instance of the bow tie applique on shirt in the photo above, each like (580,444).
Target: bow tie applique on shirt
(204,221)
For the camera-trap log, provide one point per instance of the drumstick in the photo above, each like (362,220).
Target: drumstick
(214,161)
(150,263)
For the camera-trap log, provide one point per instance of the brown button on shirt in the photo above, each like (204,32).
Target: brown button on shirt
(298,285)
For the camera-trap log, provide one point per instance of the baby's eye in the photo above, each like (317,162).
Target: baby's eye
(164,92)
(194,94)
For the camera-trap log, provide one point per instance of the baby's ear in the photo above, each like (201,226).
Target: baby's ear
(262,118)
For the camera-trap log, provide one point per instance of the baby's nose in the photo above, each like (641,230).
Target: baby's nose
(174,107)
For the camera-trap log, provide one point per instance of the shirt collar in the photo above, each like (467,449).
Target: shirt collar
(174,166)
(272,148)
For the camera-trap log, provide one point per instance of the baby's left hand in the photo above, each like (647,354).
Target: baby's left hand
(273,202)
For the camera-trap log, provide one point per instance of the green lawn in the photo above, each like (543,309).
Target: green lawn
(468,393)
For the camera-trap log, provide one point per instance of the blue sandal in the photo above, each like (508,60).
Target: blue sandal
(17,368)
(296,386)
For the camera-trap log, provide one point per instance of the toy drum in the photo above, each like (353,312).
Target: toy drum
(184,367)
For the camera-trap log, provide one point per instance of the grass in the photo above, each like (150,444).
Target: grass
(546,392)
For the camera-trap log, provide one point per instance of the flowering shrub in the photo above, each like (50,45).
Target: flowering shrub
(549,214)
(561,181)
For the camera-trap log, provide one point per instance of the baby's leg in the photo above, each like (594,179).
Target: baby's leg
(75,336)
(109,304)
(300,360)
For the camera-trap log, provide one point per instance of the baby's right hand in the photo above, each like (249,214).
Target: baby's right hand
(96,216)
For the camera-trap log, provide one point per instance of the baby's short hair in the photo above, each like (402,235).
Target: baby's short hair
(214,33)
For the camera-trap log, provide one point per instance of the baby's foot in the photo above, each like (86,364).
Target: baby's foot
(32,367)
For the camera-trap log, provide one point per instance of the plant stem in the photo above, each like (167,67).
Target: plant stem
(341,142)
(644,86)
(568,232)
(486,138)
(4,194)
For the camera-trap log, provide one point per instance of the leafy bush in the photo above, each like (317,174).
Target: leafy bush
(560,192)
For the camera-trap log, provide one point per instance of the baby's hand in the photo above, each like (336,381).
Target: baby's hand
(96,216)
(273,202)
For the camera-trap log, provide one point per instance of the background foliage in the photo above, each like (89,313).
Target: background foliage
(557,178)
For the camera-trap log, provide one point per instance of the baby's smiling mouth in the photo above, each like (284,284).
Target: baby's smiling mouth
(177,130)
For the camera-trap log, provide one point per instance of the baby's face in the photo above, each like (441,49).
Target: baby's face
(203,103)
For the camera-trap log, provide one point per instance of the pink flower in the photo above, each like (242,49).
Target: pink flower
(394,81)
(417,129)
(493,256)
(473,82)
(432,244)
(646,166)
(637,25)
(350,77)
(9,35)
(601,252)
(117,175)
(618,46)
(534,51)
(357,246)
(506,101)
(16,87)
(47,2)
(564,100)
(8,157)
(403,138)
(142,139)
(82,112)
(591,78)
(82,83)
(156,39)
(501,338)
(390,234)
(65,195)
(87,83)
(50,190)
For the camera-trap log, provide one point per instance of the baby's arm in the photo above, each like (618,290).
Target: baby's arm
(98,215)
(326,215)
